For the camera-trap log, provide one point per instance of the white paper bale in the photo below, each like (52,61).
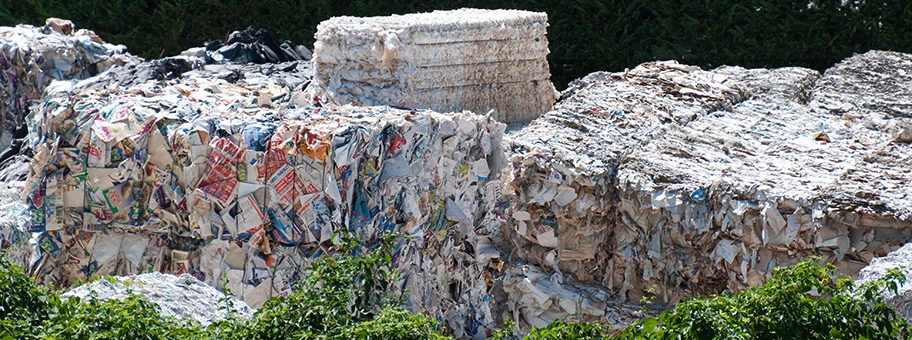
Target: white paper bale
(467,59)
(900,259)
(179,296)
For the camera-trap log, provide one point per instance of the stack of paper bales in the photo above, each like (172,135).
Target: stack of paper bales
(562,183)
(234,184)
(668,179)
(467,59)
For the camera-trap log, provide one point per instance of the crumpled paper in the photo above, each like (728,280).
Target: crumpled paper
(238,185)
(31,57)
(674,181)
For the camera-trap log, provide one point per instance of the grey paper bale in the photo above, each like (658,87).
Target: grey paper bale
(678,181)
(466,59)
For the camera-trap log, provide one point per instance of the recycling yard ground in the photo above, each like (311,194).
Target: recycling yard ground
(240,164)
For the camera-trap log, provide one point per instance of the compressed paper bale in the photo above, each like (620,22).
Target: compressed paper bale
(572,154)
(766,162)
(182,297)
(475,60)
(712,197)
(460,25)
(873,83)
(871,91)
(750,175)
(155,177)
(31,57)
(901,301)
(793,83)
(424,55)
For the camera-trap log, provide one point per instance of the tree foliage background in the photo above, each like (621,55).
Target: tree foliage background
(585,35)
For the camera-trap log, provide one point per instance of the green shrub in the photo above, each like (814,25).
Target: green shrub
(560,329)
(393,323)
(350,297)
(805,301)
(344,296)
(23,305)
(130,318)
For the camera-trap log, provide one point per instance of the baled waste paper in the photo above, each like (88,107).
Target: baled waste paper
(900,259)
(537,297)
(466,59)
(294,76)
(250,55)
(15,240)
(561,184)
(239,186)
(31,57)
(663,180)
(105,66)
(179,296)
(669,180)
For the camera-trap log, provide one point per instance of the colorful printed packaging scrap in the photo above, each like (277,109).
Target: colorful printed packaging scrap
(241,187)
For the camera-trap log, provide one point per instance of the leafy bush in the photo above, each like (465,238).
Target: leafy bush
(343,297)
(131,318)
(556,330)
(23,305)
(560,329)
(393,323)
(351,297)
(805,301)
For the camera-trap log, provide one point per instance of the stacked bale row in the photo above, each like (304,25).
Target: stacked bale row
(619,189)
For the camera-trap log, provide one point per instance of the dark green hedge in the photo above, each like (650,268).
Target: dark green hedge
(585,35)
